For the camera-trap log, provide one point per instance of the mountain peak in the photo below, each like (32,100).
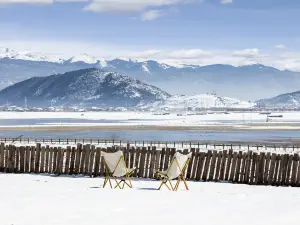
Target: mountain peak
(288,100)
(28,56)
(259,67)
(83,58)
(6,50)
(88,86)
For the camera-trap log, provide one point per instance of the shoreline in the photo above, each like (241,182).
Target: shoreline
(235,127)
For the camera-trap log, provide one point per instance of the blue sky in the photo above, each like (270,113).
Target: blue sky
(175,31)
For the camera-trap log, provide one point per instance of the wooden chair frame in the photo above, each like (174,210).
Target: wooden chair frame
(109,174)
(181,178)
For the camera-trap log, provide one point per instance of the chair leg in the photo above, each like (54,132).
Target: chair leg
(162,182)
(105,182)
(185,183)
(167,186)
(110,182)
(121,183)
(118,183)
(125,182)
(171,185)
(177,184)
(129,184)
(107,179)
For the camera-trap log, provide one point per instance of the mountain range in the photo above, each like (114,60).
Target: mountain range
(90,87)
(251,82)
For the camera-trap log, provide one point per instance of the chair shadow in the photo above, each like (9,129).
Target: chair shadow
(148,189)
(98,187)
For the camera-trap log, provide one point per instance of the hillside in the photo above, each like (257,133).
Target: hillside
(197,101)
(288,100)
(88,86)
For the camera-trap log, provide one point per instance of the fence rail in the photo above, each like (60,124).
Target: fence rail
(249,167)
(291,147)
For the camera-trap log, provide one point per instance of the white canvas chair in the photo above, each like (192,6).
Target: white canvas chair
(115,167)
(176,170)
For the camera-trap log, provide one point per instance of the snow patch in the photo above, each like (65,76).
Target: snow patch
(145,69)
(164,66)
(84,58)
(198,101)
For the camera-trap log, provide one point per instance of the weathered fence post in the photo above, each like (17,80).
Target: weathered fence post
(262,168)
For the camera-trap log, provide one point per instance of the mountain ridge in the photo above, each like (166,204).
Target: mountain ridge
(286,100)
(249,82)
(87,86)
(9,53)
(201,101)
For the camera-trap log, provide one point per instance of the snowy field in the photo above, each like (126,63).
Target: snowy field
(290,120)
(136,126)
(47,200)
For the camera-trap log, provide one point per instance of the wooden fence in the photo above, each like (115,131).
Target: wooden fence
(225,165)
(289,147)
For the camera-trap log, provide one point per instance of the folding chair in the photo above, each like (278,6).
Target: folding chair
(115,167)
(176,170)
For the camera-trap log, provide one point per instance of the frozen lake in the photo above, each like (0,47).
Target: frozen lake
(163,135)
(87,120)
(134,118)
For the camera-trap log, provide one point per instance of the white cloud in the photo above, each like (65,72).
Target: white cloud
(151,15)
(38,1)
(147,54)
(188,54)
(148,9)
(280,46)
(130,5)
(26,1)
(249,52)
(226,1)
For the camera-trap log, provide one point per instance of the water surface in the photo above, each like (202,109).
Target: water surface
(162,135)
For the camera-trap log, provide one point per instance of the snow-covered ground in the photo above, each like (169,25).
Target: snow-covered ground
(179,146)
(290,120)
(47,200)
(198,101)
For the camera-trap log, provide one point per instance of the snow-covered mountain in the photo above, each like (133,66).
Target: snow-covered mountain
(289,100)
(88,86)
(250,82)
(180,102)
(7,53)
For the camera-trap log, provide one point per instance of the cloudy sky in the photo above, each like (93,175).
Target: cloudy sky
(200,32)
